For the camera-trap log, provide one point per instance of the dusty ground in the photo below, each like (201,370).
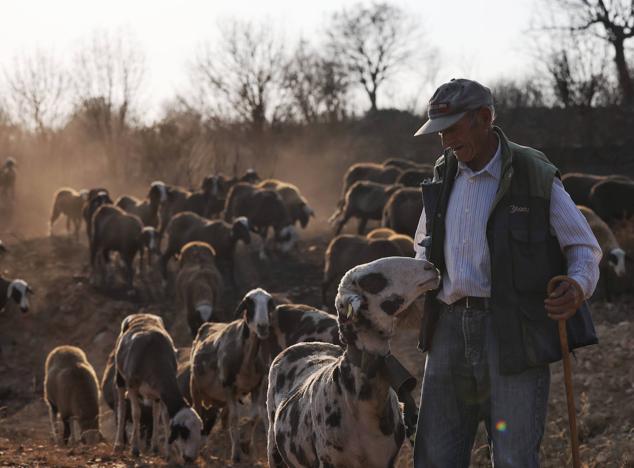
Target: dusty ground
(68,310)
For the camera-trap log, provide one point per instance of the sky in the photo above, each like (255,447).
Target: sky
(481,39)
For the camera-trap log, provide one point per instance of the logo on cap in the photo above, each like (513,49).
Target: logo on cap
(439,107)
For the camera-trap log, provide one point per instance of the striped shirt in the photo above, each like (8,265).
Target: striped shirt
(467,260)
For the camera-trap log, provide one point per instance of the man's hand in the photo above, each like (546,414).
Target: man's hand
(564,300)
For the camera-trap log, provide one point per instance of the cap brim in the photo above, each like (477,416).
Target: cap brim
(439,124)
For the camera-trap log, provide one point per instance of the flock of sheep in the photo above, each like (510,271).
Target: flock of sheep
(319,382)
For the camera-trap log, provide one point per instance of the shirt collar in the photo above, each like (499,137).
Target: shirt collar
(493,167)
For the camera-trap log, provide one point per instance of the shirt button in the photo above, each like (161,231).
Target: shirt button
(466,210)
(471,180)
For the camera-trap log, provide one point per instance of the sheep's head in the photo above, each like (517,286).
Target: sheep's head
(256,309)
(99,198)
(286,238)
(83,193)
(305,214)
(370,296)
(19,290)
(150,239)
(240,230)
(158,192)
(141,318)
(616,259)
(250,176)
(185,435)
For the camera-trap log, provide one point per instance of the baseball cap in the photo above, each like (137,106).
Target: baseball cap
(451,101)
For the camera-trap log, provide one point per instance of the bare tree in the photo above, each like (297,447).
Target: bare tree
(242,75)
(612,21)
(318,86)
(374,43)
(36,87)
(108,76)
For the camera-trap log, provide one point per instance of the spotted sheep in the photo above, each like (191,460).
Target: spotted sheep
(224,360)
(199,285)
(68,202)
(17,290)
(146,367)
(71,391)
(333,406)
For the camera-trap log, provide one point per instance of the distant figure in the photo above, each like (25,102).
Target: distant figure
(7,179)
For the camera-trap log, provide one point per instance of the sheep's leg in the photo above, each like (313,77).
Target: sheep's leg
(234,429)
(273,454)
(340,224)
(263,234)
(156,421)
(68,228)
(324,290)
(66,434)
(363,222)
(119,442)
(54,215)
(135,405)
(166,425)
(52,414)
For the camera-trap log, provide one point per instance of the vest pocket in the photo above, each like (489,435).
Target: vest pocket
(529,257)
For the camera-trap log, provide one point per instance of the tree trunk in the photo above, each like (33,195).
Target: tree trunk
(625,80)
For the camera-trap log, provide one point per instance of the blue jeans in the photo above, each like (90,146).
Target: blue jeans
(462,385)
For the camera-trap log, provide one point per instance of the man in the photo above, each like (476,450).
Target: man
(500,227)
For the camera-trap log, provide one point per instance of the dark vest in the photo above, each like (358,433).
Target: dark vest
(524,252)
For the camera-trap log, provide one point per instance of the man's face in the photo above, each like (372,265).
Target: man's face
(468,136)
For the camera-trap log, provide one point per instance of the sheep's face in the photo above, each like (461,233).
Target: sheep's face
(185,435)
(250,176)
(240,230)
(214,185)
(370,296)
(197,252)
(305,213)
(141,317)
(616,259)
(286,238)
(158,192)
(256,309)
(83,193)
(205,310)
(150,239)
(101,198)
(19,291)
(91,436)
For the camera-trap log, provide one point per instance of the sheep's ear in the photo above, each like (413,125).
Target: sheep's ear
(242,307)
(173,435)
(29,289)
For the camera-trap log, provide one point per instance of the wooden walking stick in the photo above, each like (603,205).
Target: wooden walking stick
(565,354)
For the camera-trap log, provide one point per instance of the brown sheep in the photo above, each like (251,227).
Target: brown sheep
(96,197)
(146,367)
(401,163)
(368,171)
(404,242)
(71,390)
(115,230)
(347,251)
(176,199)
(199,285)
(364,200)
(613,255)
(296,204)
(222,236)
(415,177)
(146,210)
(68,202)
(402,211)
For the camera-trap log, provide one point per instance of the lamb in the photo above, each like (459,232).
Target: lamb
(613,254)
(96,198)
(18,290)
(364,200)
(296,204)
(109,394)
(613,199)
(218,185)
(199,285)
(69,203)
(224,360)
(346,251)
(264,208)
(222,236)
(71,390)
(115,230)
(320,395)
(146,210)
(371,172)
(146,366)
(402,211)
